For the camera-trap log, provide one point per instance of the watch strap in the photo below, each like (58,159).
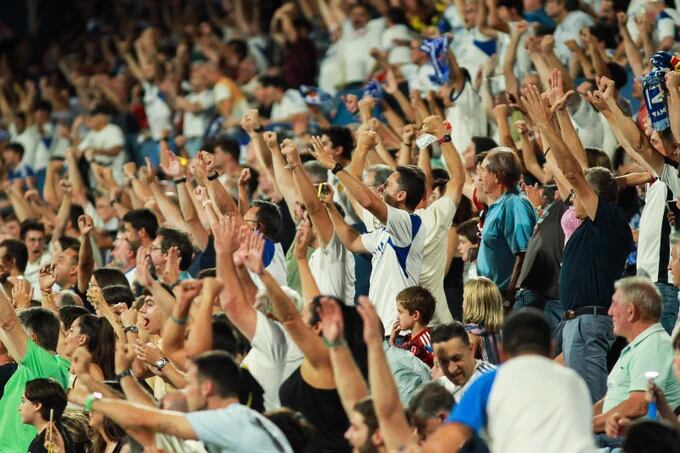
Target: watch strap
(131,329)
(337,168)
(213,177)
(446,138)
(124,374)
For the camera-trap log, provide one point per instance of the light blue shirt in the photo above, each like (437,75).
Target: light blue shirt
(237,428)
(508,226)
(409,372)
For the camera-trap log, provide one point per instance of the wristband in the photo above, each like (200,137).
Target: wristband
(337,168)
(213,177)
(259,129)
(180,321)
(334,344)
(124,374)
(181,180)
(90,399)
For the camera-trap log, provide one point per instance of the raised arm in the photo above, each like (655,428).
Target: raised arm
(558,100)
(201,334)
(303,240)
(350,383)
(12,334)
(174,329)
(454,164)
(347,235)
(388,409)
(85,255)
(565,161)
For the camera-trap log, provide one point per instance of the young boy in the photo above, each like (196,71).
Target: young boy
(415,308)
(41,397)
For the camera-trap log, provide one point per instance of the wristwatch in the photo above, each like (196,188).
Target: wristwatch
(445,138)
(337,168)
(131,329)
(160,363)
(123,374)
(259,129)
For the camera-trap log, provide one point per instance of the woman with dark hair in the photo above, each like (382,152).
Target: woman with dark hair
(44,401)
(107,436)
(311,389)
(97,336)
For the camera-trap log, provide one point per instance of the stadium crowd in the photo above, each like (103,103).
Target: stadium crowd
(340,225)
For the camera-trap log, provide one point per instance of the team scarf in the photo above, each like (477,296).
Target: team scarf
(373,89)
(315,95)
(653,87)
(437,50)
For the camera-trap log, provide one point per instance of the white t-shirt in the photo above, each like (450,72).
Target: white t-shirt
(291,103)
(32,273)
(467,117)
(110,136)
(157,111)
(36,154)
(570,28)
(418,78)
(397,251)
(196,123)
(458,391)
(354,58)
(667,23)
(437,219)
(333,270)
(530,404)
(272,358)
(472,50)
(654,239)
(222,92)
(274,261)
(398,54)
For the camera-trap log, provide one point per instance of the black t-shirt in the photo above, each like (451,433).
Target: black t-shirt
(594,258)
(38,443)
(541,268)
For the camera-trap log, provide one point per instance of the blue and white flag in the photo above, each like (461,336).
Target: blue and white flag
(373,89)
(437,50)
(315,95)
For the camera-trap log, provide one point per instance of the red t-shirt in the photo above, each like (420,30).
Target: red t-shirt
(420,346)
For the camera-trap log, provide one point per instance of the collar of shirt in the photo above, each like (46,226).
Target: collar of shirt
(654,328)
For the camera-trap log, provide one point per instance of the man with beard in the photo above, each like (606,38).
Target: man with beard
(33,235)
(397,248)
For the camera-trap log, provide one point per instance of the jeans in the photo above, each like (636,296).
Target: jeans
(669,301)
(551,307)
(586,340)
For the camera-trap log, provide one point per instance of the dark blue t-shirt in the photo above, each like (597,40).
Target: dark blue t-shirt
(594,258)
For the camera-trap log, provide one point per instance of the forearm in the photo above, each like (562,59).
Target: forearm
(425,164)
(632,408)
(169,209)
(632,53)
(85,262)
(134,392)
(571,137)
(49,192)
(358,163)
(363,195)
(349,382)
(233,298)
(516,270)
(135,415)
(347,235)
(309,287)
(201,333)
(174,376)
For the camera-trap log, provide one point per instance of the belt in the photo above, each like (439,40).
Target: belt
(589,310)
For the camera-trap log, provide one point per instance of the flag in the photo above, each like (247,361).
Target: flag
(437,50)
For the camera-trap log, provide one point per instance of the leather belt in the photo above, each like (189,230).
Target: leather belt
(589,310)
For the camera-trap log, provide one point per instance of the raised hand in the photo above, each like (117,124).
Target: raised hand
(324,156)
(241,252)
(253,259)
(95,296)
(22,293)
(533,194)
(409,133)
(244,177)
(433,125)
(332,321)
(148,353)
(290,152)
(606,86)
(129,317)
(547,43)
(130,170)
(85,225)
(206,161)
(47,277)
(142,275)
(672,80)
(556,95)
(598,101)
(372,331)
(188,290)
(536,108)
(226,235)
(522,27)
(303,239)
(169,162)
(125,355)
(251,121)
(172,262)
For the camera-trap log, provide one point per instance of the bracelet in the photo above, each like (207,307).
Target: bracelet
(90,399)
(180,321)
(337,168)
(545,154)
(213,177)
(131,329)
(124,374)
(334,344)
(181,180)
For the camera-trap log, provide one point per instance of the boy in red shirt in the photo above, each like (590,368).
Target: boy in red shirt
(415,308)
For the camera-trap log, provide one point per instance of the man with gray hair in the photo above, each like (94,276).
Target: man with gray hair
(635,312)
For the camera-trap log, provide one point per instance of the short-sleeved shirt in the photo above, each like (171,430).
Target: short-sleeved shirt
(237,428)
(508,226)
(481,368)
(272,358)
(409,372)
(420,346)
(274,260)
(651,350)
(529,404)
(667,25)
(397,251)
(570,28)
(15,436)
(332,267)
(291,103)
(437,218)
(594,258)
(196,123)
(541,267)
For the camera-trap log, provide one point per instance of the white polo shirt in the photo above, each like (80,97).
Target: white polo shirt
(196,123)
(397,251)
(291,104)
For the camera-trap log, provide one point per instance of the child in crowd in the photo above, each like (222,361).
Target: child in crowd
(415,308)
(483,316)
(44,401)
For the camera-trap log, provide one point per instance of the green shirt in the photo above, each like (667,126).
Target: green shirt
(292,270)
(37,363)
(652,350)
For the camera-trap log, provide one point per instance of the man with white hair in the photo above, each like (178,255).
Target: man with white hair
(635,312)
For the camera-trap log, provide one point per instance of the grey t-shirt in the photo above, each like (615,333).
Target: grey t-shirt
(237,428)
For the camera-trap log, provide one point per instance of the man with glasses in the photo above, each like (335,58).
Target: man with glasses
(265,217)
(455,358)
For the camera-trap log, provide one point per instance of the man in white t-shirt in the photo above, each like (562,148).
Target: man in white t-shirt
(265,217)
(360,35)
(196,107)
(103,143)
(666,24)
(570,20)
(438,218)
(528,404)
(397,248)
(286,105)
